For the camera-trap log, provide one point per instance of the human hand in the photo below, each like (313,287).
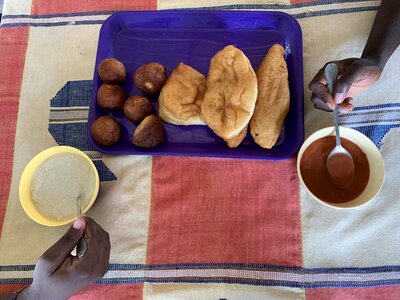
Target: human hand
(59,275)
(355,76)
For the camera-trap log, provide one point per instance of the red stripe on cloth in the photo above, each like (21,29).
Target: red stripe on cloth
(302,1)
(224,210)
(111,292)
(13,44)
(40,7)
(6,289)
(96,291)
(371,293)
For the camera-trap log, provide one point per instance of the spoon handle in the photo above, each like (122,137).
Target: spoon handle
(331,74)
(335,117)
(81,247)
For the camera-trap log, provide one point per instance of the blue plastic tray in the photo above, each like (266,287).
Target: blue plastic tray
(193,37)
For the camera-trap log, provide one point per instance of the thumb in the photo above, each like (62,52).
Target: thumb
(343,84)
(57,253)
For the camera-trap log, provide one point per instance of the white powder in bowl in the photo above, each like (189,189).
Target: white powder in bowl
(58,182)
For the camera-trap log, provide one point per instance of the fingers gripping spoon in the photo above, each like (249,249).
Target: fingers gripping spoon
(340,163)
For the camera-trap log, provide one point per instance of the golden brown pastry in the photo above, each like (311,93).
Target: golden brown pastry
(150,78)
(181,97)
(111,96)
(136,108)
(231,93)
(112,71)
(149,133)
(106,131)
(235,141)
(273,98)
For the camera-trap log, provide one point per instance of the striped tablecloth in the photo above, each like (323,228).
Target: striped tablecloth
(197,228)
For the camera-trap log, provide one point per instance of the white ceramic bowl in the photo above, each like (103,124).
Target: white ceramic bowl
(376,164)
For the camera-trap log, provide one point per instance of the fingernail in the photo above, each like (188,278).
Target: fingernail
(339,98)
(331,106)
(345,110)
(77,224)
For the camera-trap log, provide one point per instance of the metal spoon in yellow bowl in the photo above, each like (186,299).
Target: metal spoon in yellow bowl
(81,248)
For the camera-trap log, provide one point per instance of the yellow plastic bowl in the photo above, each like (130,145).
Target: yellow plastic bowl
(375,160)
(26,180)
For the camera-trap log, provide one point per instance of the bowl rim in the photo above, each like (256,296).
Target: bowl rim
(367,146)
(26,179)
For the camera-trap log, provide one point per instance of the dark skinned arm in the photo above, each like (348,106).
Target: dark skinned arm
(359,74)
(58,275)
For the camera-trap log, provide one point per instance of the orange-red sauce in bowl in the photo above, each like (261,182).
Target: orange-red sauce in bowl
(316,177)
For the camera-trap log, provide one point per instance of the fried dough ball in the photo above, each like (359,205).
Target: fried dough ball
(112,71)
(106,131)
(136,108)
(150,78)
(149,133)
(111,96)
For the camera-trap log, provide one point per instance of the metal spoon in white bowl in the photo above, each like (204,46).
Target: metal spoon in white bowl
(340,163)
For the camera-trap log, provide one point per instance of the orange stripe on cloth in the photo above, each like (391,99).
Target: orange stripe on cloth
(6,289)
(224,210)
(111,292)
(13,44)
(40,7)
(391,292)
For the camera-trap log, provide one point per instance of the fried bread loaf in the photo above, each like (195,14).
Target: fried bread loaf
(181,97)
(273,98)
(231,93)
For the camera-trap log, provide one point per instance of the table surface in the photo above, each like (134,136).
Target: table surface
(190,227)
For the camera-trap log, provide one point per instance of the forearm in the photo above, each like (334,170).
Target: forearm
(385,33)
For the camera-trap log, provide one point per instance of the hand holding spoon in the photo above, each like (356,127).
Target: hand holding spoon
(340,163)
